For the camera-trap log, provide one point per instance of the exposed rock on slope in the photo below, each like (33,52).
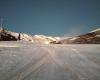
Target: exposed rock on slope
(6,35)
(92,37)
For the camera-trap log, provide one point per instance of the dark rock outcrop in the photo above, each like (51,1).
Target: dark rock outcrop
(92,37)
(89,38)
(6,36)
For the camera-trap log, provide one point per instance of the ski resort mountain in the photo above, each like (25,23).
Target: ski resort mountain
(6,35)
(93,37)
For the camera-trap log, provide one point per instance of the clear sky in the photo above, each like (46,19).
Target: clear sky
(51,17)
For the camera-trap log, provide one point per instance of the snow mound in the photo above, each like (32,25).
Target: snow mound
(96,30)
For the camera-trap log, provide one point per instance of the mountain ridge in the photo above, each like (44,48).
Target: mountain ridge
(6,35)
(92,37)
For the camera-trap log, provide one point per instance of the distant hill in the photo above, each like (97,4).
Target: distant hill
(6,35)
(92,37)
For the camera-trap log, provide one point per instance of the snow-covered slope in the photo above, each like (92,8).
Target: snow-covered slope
(92,37)
(96,31)
(45,39)
(6,35)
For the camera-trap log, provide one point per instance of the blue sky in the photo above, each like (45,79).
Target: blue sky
(51,17)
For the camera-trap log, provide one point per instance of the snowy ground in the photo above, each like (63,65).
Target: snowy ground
(27,61)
